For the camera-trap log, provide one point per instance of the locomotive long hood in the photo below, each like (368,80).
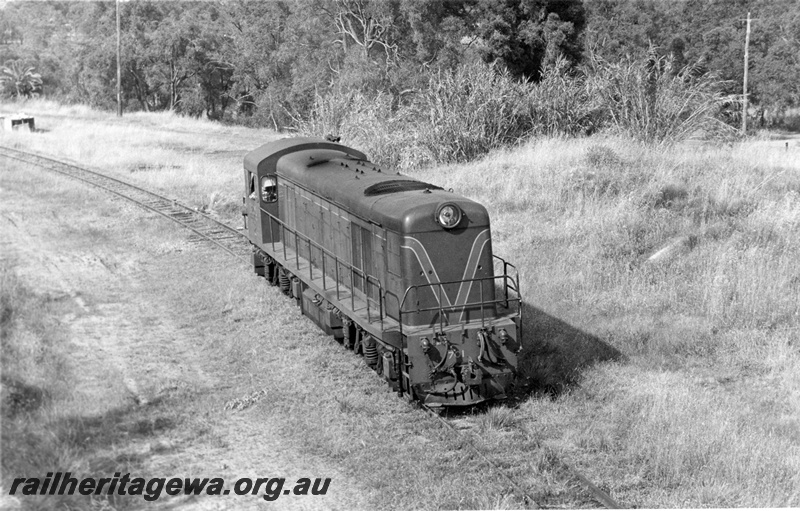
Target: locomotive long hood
(346,178)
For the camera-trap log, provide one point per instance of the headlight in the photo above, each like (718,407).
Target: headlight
(448,215)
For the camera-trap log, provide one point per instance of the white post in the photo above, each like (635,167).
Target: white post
(744,82)
(119,71)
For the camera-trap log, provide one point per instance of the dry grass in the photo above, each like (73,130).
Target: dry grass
(697,402)
(43,429)
(49,421)
(705,409)
(196,161)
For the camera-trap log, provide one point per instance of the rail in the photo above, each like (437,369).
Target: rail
(203,226)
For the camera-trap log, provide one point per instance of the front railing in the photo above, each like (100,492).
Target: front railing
(510,295)
(371,285)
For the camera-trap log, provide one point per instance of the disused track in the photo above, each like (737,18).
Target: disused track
(237,244)
(203,226)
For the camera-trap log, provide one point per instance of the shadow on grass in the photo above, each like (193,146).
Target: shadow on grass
(18,397)
(34,443)
(555,353)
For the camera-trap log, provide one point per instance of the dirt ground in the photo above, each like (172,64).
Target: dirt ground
(136,362)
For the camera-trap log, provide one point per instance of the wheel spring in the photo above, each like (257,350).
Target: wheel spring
(371,353)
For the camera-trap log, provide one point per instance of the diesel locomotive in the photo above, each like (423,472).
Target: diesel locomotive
(399,270)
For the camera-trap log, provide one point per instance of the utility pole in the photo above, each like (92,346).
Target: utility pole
(744,82)
(119,71)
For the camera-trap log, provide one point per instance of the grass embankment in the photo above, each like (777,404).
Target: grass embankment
(669,377)
(702,406)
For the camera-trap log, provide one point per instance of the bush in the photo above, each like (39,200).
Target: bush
(19,80)
(562,103)
(465,113)
(647,100)
(458,116)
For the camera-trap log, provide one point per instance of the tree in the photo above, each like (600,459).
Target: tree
(528,34)
(19,79)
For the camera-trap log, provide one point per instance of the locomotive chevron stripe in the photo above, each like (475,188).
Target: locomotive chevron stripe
(424,260)
(470,269)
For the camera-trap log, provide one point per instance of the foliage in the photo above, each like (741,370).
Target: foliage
(457,116)
(648,100)
(712,33)
(467,112)
(526,35)
(19,80)
(562,103)
(269,63)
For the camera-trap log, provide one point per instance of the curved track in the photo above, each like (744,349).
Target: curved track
(238,245)
(203,226)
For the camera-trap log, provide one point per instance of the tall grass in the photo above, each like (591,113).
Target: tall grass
(562,103)
(648,99)
(703,412)
(464,113)
(467,112)
(457,116)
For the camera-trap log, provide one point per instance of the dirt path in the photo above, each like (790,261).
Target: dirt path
(138,364)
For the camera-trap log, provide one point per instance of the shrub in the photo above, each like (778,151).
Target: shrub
(459,115)
(647,100)
(19,80)
(467,112)
(562,103)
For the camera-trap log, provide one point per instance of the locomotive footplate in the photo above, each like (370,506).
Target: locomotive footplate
(460,394)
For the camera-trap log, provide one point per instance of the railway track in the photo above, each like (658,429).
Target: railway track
(235,243)
(203,227)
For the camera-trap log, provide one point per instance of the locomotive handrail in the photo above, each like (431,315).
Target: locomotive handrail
(509,282)
(506,265)
(367,279)
(505,278)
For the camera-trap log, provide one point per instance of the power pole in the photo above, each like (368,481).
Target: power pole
(119,71)
(744,82)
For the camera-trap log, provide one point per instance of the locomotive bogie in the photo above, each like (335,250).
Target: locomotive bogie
(397,270)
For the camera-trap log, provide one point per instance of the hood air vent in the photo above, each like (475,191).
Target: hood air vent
(398,185)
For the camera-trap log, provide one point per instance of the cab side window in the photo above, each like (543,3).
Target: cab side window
(269,189)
